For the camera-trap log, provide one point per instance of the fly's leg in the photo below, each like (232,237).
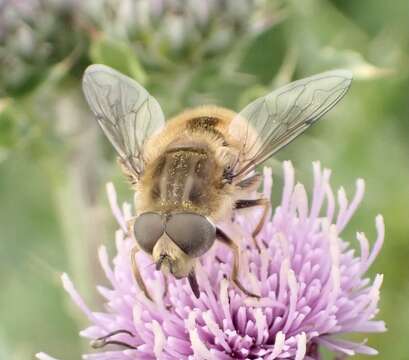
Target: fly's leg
(193,283)
(135,269)
(105,340)
(222,237)
(137,274)
(243,204)
(264,203)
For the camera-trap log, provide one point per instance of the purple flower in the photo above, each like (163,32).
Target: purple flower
(312,284)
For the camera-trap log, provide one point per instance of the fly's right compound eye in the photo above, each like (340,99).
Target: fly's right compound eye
(148,228)
(193,233)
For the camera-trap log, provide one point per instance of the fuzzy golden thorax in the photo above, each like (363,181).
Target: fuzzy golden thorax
(171,259)
(185,164)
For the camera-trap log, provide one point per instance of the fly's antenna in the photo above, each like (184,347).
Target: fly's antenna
(160,261)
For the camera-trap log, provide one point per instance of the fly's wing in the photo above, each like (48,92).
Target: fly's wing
(126,112)
(273,121)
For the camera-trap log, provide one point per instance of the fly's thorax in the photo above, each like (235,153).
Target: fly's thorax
(185,177)
(186,162)
(205,124)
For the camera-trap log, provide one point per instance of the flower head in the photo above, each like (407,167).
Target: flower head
(313,287)
(177,29)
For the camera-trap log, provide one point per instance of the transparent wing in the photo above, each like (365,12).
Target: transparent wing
(124,110)
(269,123)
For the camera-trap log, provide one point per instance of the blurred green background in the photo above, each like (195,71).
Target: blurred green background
(54,162)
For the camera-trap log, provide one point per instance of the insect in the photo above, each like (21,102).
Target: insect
(193,170)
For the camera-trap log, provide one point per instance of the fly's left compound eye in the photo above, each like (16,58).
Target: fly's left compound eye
(148,228)
(193,233)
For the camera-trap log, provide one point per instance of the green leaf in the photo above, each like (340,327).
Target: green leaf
(118,55)
(266,53)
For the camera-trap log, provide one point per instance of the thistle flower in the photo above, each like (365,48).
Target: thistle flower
(313,287)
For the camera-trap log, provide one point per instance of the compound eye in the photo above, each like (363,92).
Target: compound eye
(193,233)
(148,228)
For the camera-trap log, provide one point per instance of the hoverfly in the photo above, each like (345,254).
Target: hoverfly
(193,170)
